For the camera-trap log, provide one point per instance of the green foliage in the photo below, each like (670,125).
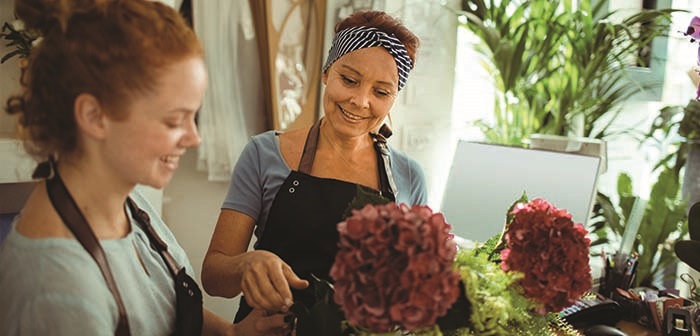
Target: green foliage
(363,197)
(507,313)
(689,126)
(604,215)
(664,220)
(554,64)
(20,39)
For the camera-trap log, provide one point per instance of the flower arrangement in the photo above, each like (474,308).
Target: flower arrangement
(399,272)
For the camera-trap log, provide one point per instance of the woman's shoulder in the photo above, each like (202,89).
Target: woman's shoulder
(49,266)
(39,219)
(266,146)
(265,138)
(402,160)
(54,279)
(292,145)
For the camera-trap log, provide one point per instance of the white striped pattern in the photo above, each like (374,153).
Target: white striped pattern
(355,38)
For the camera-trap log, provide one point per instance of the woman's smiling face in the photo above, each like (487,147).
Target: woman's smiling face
(145,147)
(361,88)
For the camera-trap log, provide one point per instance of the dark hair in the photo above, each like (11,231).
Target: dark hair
(110,49)
(385,23)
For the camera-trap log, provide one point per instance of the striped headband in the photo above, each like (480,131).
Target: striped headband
(355,38)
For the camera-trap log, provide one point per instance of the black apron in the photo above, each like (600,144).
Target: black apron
(301,225)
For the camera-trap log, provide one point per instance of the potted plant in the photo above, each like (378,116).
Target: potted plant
(680,127)
(664,218)
(558,69)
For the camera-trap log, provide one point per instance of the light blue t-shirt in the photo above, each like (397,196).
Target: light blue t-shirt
(261,170)
(52,286)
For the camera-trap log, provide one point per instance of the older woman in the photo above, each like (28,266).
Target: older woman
(290,189)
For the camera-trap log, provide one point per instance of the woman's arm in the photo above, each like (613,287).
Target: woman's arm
(223,264)
(228,269)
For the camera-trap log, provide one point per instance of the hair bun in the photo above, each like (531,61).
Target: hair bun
(43,15)
(49,15)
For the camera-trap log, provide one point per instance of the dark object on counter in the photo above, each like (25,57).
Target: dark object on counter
(603,330)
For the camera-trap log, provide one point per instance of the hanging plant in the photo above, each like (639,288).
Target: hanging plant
(20,38)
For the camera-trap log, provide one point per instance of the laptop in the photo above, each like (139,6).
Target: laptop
(485,179)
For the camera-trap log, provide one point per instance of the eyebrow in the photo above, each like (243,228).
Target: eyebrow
(360,74)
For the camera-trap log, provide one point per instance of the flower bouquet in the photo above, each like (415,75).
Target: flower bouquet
(398,271)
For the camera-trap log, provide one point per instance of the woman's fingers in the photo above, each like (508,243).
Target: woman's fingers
(258,323)
(267,280)
(293,279)
(260,292)
(265,283)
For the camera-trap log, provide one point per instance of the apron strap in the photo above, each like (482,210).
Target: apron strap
(144,221)
(387,186)
(69,212)
(309,153)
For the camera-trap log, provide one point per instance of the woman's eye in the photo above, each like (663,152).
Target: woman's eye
(383,92)
(348,80)
(173,123)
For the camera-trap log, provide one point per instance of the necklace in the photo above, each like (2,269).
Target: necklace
(349,164)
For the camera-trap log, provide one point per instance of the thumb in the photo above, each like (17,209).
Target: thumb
(293,280)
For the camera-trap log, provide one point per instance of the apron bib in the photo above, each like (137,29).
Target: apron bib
(301,225)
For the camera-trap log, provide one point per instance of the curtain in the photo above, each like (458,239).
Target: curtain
(233,108)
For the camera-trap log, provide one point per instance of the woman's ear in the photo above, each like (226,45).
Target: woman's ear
(89,115)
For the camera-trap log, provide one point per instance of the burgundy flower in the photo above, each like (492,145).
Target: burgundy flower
(394,267)
(551,251)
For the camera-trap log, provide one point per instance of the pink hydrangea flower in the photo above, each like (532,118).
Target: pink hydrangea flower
(551,251)
(394,267)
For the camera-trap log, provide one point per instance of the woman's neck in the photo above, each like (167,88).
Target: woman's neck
(98,196)
(349,146)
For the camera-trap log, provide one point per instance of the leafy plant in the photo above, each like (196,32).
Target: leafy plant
(663,221)
(555,64)
(22,39)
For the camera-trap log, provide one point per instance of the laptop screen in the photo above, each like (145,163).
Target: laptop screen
(485,179)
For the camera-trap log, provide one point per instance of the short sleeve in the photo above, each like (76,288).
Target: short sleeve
(409,178)
(418,185)
(245,189)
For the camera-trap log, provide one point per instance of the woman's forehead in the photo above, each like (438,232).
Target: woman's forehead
(374,61)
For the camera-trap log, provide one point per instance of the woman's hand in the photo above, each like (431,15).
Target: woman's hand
(258,323)
(266,282)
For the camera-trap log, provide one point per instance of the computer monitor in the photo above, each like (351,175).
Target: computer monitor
(485,179)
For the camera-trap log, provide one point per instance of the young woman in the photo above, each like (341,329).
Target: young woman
(110,98)
(291,189)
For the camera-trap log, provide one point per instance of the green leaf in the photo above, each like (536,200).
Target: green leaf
(10,55)
(363,197)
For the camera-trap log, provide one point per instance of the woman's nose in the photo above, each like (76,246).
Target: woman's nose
(360,98)
(191,137)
